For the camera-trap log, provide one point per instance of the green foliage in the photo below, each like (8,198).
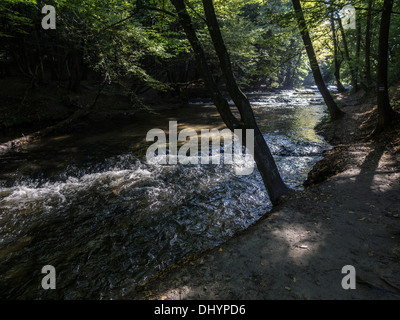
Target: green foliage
(109,36)
(142,42)
(319,13)
(259,38)
(13,16)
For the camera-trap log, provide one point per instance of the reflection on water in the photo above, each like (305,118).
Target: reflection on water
(109,225)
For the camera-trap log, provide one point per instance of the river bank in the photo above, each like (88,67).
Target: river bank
(348,215)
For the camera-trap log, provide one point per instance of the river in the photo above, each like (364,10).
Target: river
(88,203)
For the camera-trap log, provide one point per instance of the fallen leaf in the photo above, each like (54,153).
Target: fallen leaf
(362,219)
(288,288)
(294,279)
(164,298)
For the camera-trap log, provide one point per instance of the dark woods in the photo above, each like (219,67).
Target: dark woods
(141,43)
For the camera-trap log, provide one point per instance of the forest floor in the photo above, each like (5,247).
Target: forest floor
(349,214)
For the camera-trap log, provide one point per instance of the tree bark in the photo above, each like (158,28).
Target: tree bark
(358,51)
(347,55)
(333,109)
(368,46)
(262,155)
(386,114)
(339,84)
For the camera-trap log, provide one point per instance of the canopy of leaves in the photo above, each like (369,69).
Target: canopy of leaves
(142,43)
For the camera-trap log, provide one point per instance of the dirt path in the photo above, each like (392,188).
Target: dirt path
(298,250)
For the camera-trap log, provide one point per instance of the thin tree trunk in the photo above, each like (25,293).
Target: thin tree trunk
(289,71)
(334,110)
(386,115)
(288,77)
(203,68)
(368,46)
(339,84)
(358,50)
(347,55)
(264,160)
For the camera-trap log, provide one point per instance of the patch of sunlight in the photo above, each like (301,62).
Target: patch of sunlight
(350,174)
(176,294)
(381,183)
(301,243)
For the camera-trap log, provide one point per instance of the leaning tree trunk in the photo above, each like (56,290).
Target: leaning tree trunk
(203,68)
(386,115)
(334,110)
(262,155)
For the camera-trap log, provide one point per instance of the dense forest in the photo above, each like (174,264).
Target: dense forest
(141,45)
(71,70)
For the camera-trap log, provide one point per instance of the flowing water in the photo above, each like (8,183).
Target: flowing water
(89,204)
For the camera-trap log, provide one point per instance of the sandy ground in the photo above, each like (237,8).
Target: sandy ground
(299,249)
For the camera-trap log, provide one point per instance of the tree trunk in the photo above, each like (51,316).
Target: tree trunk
(347,55)
(339,84)
(262,155)
(368,46)
(289,70)
(334,110)
(386,114)
(357,60)
(288,77)
(203,68)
